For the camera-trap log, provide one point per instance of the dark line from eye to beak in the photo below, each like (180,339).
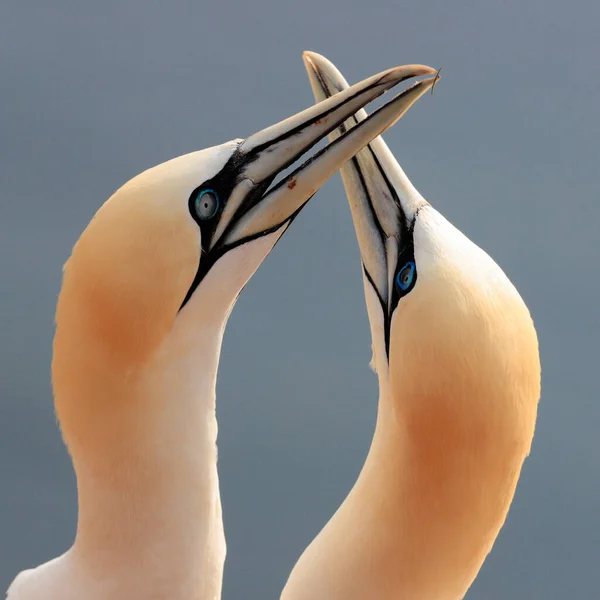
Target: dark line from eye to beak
(390,187)
(386,310)
(216,253)
(368,276)
(249,202)
(386,315)
(384,303)
(363,183)
(383,174)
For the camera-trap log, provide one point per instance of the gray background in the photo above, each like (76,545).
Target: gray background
(93,93)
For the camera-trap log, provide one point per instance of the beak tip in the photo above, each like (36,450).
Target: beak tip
(317,62)
(311,58)
(398,74)
(325,68)
(435,79)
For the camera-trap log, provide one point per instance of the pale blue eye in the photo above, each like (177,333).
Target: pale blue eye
(206,204)
(405,276)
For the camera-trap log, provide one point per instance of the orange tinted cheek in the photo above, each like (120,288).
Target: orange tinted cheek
(126,280)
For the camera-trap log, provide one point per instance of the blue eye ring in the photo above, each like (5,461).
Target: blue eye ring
(206,209)
(406,275)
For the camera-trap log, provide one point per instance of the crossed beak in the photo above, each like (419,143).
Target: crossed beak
(383,201)
(253,209)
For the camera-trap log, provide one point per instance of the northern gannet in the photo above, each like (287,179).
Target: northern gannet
(457,359)
(146,294)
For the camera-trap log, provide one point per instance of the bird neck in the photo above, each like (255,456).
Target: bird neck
(443,466)
(428,504)
(143,444)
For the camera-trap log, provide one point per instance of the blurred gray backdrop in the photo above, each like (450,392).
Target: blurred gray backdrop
(94,92)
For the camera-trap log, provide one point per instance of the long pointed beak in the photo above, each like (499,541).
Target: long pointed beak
(382,200)
(253,210)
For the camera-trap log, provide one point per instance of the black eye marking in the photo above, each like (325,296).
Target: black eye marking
(405,278)
(206,204)
(207,201)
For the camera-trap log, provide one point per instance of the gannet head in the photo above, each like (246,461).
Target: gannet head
(184,237)
(443,314)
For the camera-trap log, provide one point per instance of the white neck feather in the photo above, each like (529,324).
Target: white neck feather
(142,438)
(150,522)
